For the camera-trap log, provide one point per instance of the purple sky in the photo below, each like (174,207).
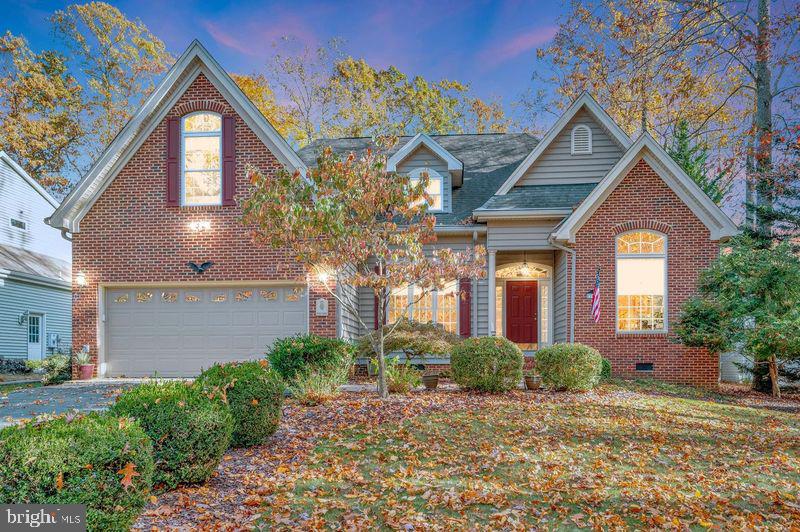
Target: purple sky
(490,45)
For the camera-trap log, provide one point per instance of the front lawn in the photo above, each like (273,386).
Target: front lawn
(610,458)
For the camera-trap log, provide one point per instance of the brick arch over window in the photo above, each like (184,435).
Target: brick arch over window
(200,105)
(639,225)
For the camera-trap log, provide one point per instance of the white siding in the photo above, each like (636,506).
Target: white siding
(560,301)
(422,157)
(21,201)
(557,165)
(529,234)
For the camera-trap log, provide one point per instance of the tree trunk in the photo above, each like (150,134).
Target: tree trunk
(761,379)
(383,389)
(773,375)
(763,118)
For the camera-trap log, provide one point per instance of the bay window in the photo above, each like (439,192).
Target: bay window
(641,282)
(435,306)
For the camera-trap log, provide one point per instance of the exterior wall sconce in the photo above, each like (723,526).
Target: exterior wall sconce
(22,318)
(80,279)
(200,225)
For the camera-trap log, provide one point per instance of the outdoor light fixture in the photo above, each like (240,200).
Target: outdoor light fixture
(200,225)
(80,279)
(22,318)
(324,274)
(525,270)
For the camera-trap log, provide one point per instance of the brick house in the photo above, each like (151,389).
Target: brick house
(170,281)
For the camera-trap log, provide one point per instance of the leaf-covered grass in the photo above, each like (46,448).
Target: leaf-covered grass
(618,457)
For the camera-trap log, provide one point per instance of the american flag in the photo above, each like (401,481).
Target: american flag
(596,298)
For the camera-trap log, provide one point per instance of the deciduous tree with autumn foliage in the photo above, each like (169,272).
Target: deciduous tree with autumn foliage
(355,224)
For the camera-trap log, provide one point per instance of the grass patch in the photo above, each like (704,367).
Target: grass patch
(555,461)
(12,387)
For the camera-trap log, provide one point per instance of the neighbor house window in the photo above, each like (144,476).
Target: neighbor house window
(435,186)
(436,306)
(581,140)
(18,224)
(201,147)
(641,281)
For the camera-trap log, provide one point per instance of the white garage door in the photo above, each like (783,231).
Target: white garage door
(177,332)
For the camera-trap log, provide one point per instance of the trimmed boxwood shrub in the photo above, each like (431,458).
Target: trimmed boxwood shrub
(254,394)
(190,430)
(605,370)
(490,364)
(79,460)
(569,366)
(307,352)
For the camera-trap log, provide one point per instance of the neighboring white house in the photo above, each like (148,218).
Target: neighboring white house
(35,273)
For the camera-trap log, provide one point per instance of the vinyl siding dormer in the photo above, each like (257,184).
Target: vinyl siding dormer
(423,157)
(559,165)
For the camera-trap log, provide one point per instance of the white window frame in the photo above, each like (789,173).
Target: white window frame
(184,135)
(11,221)
(623,256)
(409,311)
(433,175)
(572,140)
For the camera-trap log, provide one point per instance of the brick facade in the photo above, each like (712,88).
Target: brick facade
(130,235)
(643,201)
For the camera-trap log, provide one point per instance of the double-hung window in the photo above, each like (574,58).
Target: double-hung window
(201,151)
(641,282)
(435,188)
(431,306)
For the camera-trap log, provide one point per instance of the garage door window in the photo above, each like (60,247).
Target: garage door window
(120,299)
(169,297)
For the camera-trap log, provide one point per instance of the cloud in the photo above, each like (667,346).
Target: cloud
(500,52)
(256,39)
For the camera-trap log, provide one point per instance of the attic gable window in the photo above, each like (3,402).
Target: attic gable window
(201,151)
(435,186)
(18,224)
(581,140)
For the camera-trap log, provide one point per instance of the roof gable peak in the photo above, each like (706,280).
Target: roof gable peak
(584,101)
(454,166)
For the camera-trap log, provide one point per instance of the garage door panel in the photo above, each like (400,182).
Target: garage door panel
(175,332)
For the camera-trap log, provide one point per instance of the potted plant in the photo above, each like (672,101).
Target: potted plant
(85,366)
(430,380)
(532,380)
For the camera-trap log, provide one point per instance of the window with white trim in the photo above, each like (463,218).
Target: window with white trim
(18,224)
(434,306)
(581,140)
(641,281)
(201,164)
(435,187)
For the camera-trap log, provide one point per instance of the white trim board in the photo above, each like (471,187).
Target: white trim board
(454,166)
(594,108)
(645,147)
(194,61)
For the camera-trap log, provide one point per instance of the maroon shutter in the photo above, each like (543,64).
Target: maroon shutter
(465,307)
(173,160)
(228,160)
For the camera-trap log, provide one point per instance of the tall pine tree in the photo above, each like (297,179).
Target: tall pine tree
(693,158)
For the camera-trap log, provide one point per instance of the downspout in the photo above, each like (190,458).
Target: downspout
(474,295)
(571,288)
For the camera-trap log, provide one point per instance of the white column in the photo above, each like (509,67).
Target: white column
(492,296)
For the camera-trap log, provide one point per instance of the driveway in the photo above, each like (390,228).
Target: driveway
(31,402)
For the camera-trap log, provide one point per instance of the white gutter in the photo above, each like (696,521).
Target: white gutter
(520,214)
(459,229)
(571,285)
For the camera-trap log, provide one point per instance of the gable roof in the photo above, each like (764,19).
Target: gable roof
(645,147)
(584,101)
(27,178)
(194,61)
(454,166)
(31,266)
(488,159)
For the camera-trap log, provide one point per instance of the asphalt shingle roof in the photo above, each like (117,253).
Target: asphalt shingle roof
(540,197)
(489,159)
(24,261)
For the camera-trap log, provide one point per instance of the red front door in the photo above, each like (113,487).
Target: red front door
(522,316)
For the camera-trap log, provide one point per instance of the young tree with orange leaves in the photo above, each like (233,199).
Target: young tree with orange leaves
(352,222)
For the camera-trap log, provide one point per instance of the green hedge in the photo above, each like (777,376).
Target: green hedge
(79,460)
(569,366)
(254,394)
(489,364)
(190,431)
(308,352)
(605,369)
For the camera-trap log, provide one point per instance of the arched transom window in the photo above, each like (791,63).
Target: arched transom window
(201,150)
(641,282)
(435,186)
